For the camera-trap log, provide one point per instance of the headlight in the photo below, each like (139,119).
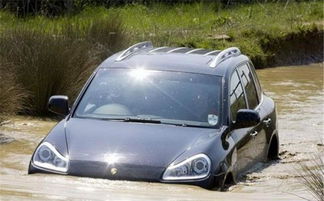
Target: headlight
(47,157)
(195,167)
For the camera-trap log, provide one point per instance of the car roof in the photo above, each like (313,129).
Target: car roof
(179,59)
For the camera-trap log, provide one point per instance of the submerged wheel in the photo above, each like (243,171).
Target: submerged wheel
(209,183)
(273,151)
(228,182)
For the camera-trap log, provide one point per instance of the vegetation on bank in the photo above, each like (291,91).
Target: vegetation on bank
(51,8)
(311,175)
(258,29)
(47,56)
(36,63)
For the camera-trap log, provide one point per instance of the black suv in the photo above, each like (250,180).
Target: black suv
(164,114)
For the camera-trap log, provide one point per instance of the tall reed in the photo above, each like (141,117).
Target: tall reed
(58,62)
(11,93)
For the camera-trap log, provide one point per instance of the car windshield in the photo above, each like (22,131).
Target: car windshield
(179,98)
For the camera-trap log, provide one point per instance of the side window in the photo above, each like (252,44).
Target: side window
(256,81)
(248,84)
(236,95)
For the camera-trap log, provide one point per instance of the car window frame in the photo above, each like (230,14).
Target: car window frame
(81,93)
(258,98)
(256,81)
(229,92)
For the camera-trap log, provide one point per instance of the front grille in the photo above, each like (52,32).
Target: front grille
(123,171)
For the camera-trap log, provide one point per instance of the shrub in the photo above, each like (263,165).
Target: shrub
(11,93)
(58,63)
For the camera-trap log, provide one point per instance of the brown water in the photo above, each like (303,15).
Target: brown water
(298,92)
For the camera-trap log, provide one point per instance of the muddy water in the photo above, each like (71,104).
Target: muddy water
(298,92)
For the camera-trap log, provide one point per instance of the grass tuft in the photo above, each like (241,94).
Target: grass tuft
(312,177)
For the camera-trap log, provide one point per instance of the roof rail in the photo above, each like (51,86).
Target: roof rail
(223,55)
(211,52)
(193,50)
(158,48)
(175,49)
(129,51)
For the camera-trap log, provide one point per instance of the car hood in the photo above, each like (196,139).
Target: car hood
(141,144)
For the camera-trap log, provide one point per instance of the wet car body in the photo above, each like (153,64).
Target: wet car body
(142,150)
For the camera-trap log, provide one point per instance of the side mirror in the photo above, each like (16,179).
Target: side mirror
(247,118)
(59,105)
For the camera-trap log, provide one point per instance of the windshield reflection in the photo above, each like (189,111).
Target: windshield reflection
(178,98)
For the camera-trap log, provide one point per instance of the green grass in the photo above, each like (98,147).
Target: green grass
(271,34)
(250,27)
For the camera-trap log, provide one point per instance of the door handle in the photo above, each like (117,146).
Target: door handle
(254,133)
(267,122)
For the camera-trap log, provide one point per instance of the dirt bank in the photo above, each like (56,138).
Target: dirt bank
(298,48)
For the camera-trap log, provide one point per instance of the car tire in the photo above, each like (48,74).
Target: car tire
(273,149)
(228,181)
(209,183)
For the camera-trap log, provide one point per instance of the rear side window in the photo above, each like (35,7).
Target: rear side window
(256,81)
(237,97)
(249,86)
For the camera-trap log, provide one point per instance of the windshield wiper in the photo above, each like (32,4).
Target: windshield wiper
(189,125)
(141,120)
(155,121)
(148,120)
(127,119)
(184,124)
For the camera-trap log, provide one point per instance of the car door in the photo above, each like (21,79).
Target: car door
(254,102)
(267,113)
(241,137)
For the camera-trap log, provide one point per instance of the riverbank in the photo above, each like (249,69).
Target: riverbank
(39,56)
(272,34)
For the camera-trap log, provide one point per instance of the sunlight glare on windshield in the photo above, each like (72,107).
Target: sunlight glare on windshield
(139,74)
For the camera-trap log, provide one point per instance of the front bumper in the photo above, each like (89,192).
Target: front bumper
(128,172)
(211,181)
(102,170)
